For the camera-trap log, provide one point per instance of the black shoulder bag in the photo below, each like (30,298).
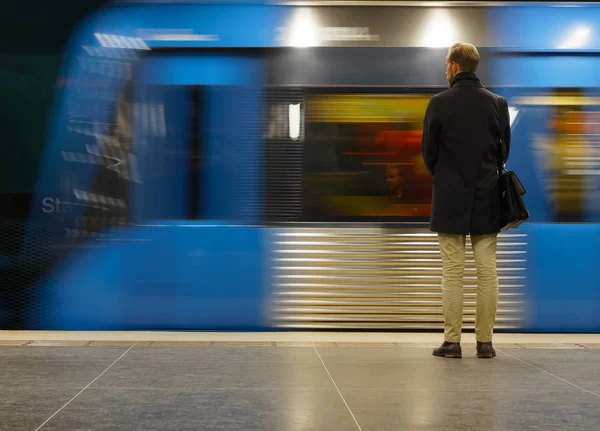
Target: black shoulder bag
(513,211)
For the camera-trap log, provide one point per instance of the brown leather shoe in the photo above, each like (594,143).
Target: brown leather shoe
(448,350)
(485,350)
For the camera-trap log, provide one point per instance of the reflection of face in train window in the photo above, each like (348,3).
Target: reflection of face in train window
(394,180)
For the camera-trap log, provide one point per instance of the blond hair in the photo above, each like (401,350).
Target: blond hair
(465,55)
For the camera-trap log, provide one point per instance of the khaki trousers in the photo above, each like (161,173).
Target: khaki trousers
(452,248)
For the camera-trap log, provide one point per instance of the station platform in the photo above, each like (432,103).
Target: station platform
(294,381)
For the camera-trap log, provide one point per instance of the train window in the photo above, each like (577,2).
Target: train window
(565,149)
(106,200)
(362,157)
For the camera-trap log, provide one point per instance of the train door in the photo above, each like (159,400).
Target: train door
(196,131)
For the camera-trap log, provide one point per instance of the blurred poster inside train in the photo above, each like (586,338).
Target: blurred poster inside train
(362,157)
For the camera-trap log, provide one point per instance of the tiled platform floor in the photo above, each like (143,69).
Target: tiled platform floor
(287,384)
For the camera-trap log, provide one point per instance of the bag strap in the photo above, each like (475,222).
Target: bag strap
(501,156)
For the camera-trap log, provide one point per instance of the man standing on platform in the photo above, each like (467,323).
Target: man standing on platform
(461,136)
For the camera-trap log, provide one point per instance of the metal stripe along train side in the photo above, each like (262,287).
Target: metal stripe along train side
(224,167)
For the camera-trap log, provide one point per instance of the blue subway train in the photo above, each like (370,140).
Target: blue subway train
(257,166)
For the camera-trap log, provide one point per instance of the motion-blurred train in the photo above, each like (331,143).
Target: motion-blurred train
(257,166)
